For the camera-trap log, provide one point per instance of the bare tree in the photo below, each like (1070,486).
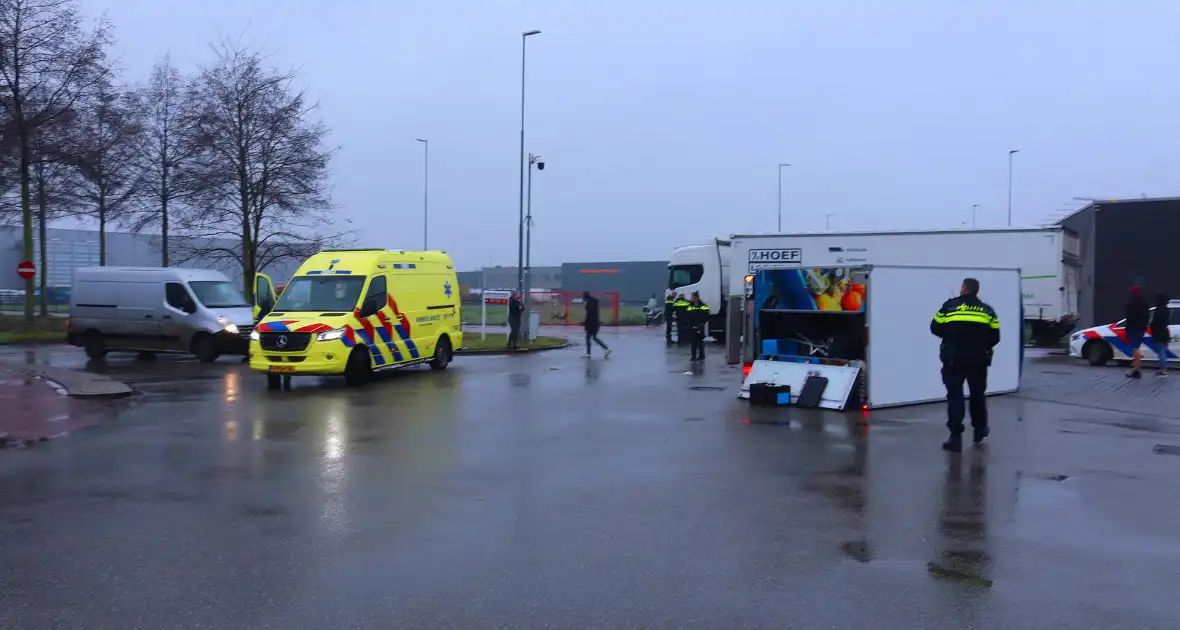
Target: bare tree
(168,146)
(47,63)
(261,172)
(53,180)
(107,142)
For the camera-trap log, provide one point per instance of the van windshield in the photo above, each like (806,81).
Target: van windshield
(321,293)
(218,294)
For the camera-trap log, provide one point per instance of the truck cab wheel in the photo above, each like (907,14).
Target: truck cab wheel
(359,370)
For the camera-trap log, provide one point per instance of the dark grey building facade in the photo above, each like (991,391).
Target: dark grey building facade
(635,282)
(1124,243)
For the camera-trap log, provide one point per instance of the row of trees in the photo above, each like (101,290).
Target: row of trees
(229,153)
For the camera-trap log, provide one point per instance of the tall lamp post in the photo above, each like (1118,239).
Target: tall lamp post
(425,190)
(828,221)
(780,196)
(528,227)
(520,233)
(973,208)
(1010,154)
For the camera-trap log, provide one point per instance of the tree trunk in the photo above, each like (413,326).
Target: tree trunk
(42,238)
(26,222)
(102,230)
(164,218)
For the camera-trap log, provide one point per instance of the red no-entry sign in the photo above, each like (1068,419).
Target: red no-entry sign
(26,269)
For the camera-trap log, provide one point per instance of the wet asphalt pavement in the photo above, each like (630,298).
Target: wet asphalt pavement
(548,491)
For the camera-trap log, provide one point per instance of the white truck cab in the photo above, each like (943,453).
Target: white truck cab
(703,268)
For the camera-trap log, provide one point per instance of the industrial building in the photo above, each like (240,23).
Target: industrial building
(1124,243)
(69,249)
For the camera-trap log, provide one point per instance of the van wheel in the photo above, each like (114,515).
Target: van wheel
(442,354)
(95,346)
(205,347)
(1097,352)
(274,381)
(358,371)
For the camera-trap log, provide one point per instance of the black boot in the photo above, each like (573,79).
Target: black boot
(980,434)
(954,444)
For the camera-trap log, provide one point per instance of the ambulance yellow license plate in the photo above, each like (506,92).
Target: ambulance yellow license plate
(282,368)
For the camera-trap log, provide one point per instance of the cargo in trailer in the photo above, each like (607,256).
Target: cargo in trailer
(859,337)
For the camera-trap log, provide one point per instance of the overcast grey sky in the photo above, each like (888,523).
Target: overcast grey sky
(662,121)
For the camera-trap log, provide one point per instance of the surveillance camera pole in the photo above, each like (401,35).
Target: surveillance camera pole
(528,238)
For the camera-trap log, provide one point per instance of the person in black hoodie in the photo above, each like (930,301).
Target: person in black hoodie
(592,323)
(1135,327)
(1160,334)
(515,308)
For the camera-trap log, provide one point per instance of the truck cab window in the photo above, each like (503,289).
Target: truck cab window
(684,275)
(178,298)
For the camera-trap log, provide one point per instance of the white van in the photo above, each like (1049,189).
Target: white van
(158,309)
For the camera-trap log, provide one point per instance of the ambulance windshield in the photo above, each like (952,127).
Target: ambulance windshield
(321,293)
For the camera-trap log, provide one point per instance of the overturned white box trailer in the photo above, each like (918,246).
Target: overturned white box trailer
(866,330)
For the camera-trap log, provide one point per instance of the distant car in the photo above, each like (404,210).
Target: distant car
(1102,344)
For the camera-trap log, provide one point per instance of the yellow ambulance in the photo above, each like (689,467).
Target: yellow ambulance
(354,312)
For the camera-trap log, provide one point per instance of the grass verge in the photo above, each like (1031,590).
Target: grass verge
(44,330)
(497,341)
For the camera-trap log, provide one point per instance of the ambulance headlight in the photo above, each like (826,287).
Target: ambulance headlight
(254,336)
(331,335)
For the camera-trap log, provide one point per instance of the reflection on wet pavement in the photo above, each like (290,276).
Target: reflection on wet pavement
(555,491)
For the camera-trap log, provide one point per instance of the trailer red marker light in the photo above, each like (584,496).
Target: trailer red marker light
(746,369)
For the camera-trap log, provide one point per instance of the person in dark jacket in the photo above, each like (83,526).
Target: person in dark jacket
(697,313)
(1160,333)
(515,309)
(969,329)
(680,307)
(669,314)
(1135,326)
(592,323)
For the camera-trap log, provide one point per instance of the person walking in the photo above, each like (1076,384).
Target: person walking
(969,329)
(680,306)
(592,324)
(515,309)
(1137,316)
(698,316)
(669,314)
(1160,333)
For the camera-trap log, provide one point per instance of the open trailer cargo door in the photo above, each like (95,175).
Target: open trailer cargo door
(903,362)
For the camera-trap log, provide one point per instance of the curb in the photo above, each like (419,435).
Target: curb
(488,353)
(81,384)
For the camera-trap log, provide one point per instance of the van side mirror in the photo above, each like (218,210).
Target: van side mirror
(188,307)
(265,306)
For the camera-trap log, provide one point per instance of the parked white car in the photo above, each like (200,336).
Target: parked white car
(1101,344)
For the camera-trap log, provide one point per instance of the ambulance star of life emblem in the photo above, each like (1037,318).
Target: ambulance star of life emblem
(447,288)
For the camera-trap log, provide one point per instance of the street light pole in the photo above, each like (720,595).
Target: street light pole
(1010,154)
(973,207)
(780,196)
(425,190)
(520,231)
(828,221)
